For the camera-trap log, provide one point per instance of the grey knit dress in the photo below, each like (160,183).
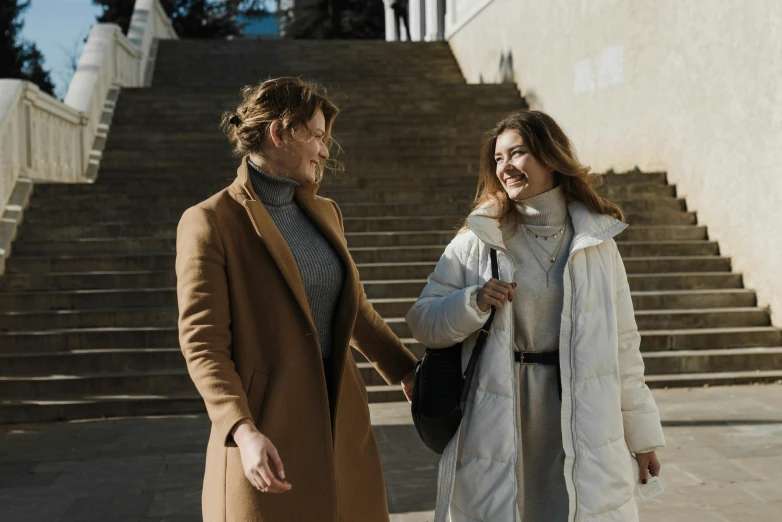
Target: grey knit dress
(537,309)
(321,268)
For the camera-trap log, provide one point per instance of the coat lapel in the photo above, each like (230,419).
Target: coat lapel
(323,216)
(275,243)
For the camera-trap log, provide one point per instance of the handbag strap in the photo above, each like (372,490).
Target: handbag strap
(483,335)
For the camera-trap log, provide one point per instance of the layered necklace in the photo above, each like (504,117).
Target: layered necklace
(552,256)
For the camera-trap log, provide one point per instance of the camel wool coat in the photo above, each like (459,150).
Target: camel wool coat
(252,351)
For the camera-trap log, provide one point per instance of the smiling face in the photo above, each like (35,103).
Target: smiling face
(520,173)
(307,150)
(298,158)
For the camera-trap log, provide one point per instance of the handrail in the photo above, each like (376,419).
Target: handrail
(43,139)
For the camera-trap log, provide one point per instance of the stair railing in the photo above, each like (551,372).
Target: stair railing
(43,139)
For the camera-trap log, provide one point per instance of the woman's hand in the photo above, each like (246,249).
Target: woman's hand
(649,464)
(257,452)
(494,293)
(408,385)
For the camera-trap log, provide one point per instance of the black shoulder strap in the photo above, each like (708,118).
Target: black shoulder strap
(495,273)
(483,335)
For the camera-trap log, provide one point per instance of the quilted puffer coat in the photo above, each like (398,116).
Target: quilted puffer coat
(607,409)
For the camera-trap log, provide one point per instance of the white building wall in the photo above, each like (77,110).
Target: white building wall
(693,88)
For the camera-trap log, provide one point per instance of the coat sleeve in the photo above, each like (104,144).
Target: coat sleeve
(447,312)
(205,321)
(641,418)
(375,340)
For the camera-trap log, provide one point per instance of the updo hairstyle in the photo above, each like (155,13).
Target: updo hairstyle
(292,101)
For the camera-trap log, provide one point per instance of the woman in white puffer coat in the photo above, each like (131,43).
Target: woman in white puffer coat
(559,424)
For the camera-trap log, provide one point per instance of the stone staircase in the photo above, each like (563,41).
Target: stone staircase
(88,304)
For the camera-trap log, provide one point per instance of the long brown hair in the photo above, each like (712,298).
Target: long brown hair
(548,144)
(293,101)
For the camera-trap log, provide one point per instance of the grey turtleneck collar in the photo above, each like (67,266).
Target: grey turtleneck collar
(546,209)
(273,191)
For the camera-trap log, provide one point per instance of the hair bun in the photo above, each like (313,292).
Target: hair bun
(235,120)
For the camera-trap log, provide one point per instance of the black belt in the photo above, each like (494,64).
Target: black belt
(547,358)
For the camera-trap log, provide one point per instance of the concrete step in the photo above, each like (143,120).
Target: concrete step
(85,280)
(689,264)
(18,265)
(68,339)
(141,270)
(40,320)
(91,361)
(684,281)
(87,299)
(708,338)
(385,393)
(105,406)
(15,301)
(667,248)
(143,186)
(711,361)
(651,320)
(713,378)
(57,340)
(644,211)
(342,195)
(359,242)
(681,368)
(702,318)
(664,233)
(693,299)
(157,382)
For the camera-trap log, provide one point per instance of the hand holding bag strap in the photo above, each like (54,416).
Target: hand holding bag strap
(483,335)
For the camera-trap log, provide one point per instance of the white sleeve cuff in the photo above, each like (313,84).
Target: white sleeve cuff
(473,300)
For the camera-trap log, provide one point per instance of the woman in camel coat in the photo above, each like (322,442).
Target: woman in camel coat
(291,439)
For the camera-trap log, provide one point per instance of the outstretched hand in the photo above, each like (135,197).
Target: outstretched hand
(260,460)
(408,385)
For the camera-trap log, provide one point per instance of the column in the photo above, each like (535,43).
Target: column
(390,22)
(417,20)
(435,20)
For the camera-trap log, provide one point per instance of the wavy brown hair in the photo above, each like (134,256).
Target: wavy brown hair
(292,101)
(548,143)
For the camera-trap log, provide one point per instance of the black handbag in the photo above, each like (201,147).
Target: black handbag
(441,389)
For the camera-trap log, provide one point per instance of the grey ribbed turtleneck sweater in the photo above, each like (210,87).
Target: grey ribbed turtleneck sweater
(537,310)
(321,268)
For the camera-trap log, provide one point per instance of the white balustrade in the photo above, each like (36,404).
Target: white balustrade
(43,139)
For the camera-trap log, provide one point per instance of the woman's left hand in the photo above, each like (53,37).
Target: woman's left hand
(649,464)
(408,384)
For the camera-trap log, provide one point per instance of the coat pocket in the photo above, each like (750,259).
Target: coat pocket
(256,392)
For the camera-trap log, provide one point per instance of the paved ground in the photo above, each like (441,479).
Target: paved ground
(723,463)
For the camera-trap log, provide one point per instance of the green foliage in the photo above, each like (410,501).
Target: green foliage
(335,19)
(191,18)
(20,59)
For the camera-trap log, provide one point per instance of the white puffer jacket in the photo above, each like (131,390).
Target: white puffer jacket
(607,409)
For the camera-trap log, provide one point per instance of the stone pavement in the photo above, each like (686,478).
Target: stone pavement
(723,463)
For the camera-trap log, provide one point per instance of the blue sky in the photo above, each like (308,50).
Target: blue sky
(56,26)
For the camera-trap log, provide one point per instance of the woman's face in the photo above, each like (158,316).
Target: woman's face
(299,158)
(521,175)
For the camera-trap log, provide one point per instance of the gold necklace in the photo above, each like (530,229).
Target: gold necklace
(553,257)
(554,235)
